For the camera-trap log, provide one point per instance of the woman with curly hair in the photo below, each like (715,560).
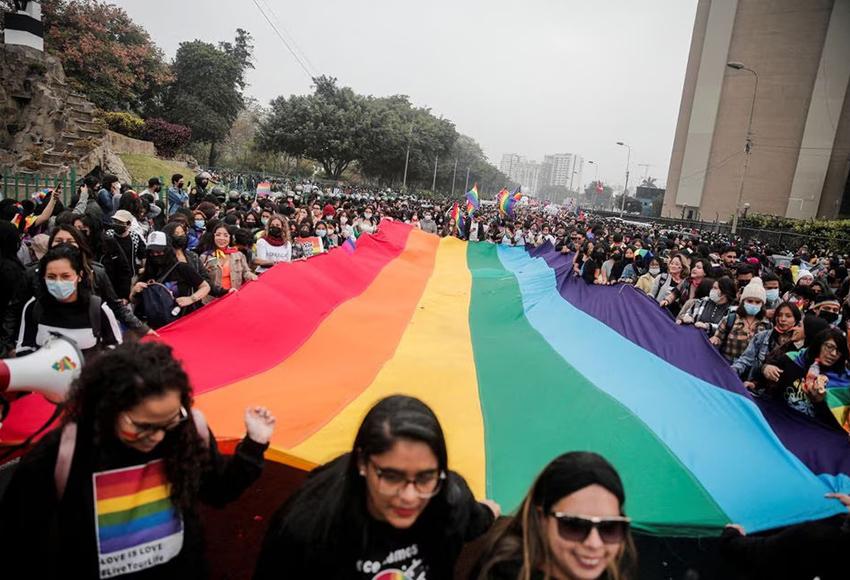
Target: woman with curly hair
(115,490)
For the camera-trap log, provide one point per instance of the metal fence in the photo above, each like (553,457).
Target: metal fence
(20,186)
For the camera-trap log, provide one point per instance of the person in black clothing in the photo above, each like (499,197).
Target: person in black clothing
(114,491)
(162,266)
(101,285)
(816,549)
(390,505)
(13,289)
(64,304)
(123,252)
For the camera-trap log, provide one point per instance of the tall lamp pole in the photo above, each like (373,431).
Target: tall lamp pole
(626,188)
(407,158)
(748,144)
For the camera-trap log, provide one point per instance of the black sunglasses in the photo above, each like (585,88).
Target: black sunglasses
(575,528)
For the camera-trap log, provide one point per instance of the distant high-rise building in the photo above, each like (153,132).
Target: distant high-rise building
(784,67)
(524,172)
(562,169)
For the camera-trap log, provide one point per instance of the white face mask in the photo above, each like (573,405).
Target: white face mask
(715,295)
(61,289)
(654,271)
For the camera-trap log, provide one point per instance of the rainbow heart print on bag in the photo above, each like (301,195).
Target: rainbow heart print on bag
(138,526)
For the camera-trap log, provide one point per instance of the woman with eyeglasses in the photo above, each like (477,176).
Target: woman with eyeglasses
(390,506)
(115,490)
(570,526)
(810,379)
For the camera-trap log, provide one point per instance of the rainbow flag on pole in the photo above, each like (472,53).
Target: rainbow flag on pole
(473,200)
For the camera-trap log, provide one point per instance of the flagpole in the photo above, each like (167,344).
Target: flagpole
(466,185)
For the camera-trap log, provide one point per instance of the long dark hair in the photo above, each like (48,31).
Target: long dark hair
(522,537)
(82,246)
(813,349)
(117,381)
(75,257)
(329,514)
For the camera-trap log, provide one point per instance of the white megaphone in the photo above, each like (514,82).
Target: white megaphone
(50,370)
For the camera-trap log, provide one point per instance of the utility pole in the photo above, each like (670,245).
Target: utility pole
(407,159)
(466,185)
(434,181)
(626,188)
(454,175)
(646,167)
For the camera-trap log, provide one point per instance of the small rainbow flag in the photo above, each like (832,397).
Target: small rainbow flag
(507,201)
(455,215)
(134,510)
(264,189)
(473,200)
(64,364)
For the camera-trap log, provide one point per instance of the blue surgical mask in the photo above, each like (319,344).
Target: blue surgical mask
(772,294)
(200,224)
(61,289)
(752,309)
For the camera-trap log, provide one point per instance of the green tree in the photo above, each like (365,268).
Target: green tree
(332,126)
(208,91)
(106,56)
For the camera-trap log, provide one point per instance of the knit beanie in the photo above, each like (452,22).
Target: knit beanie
(755,290)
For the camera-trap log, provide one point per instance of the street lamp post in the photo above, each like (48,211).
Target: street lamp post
(748,144)
(407,159)
(434,181)
(626,188)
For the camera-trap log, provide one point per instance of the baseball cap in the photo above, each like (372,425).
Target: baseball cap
(157,241)
(123,216)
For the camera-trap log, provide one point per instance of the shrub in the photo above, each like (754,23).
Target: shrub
(124,123)
(168,138)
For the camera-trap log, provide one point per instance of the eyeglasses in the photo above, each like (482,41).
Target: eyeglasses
(829,347)
(144,430)
(426,484)
(576,528)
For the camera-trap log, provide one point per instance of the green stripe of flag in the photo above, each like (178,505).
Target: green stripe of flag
(536,406)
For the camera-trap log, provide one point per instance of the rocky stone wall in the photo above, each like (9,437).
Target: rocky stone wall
(45,126)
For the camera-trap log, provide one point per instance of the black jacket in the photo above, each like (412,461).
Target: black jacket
(359,547)
(46,538)
(102,286)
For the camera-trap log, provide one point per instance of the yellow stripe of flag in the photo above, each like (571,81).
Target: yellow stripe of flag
(434,362)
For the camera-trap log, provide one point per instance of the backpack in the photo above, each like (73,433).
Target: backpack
(159,305)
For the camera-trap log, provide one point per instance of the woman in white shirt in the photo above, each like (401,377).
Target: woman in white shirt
(274,246)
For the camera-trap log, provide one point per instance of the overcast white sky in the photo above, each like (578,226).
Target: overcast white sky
(528,77)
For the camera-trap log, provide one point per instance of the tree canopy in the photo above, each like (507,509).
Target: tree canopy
(106,56)
(208,92)
(339,127)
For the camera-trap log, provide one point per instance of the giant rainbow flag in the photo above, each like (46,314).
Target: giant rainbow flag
(521,362)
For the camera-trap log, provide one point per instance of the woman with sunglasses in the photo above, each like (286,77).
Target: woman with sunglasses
(390,506)
(570,526)
(115,491)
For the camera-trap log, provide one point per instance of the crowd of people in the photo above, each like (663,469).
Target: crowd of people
(117,264)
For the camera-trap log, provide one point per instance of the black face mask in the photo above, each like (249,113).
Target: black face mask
(830,317)
(275,232)
(305,233)
(158,260)
(180,242)
(120,229)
